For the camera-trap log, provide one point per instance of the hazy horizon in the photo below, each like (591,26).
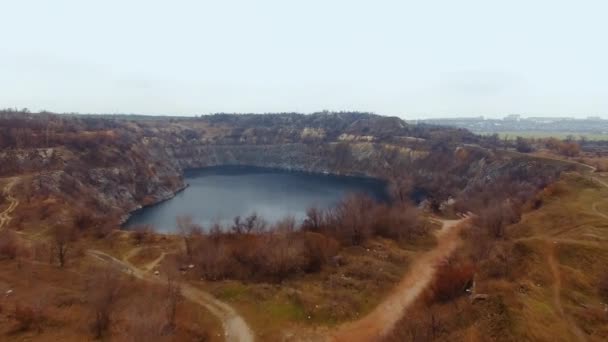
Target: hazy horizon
(414,60)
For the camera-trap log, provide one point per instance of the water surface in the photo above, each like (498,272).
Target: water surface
(218,194)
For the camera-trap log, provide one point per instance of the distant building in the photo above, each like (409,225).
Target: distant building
(512,117)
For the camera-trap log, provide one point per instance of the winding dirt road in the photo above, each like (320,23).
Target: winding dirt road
(382,319)
(235,328)
(5,216)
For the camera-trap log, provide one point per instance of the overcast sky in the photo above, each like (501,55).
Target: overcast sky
(406,58)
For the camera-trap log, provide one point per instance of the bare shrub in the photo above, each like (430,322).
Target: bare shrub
(451,280)
(318,250)
(603,285)
(142,233)
(284,258)
(28,317)
(523,145)
(189,231)
(237,225)
(496,217)
(84,220)
(270,256)
(146,323)
(498,263)
(213,258)
(173,298)
(314,220)
(400,222)
(254,224)
(351,220)
(401,187)
(421,324)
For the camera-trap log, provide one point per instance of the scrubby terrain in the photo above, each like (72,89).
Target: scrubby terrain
(525,263)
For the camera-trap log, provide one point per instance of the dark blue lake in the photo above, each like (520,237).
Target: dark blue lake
(218,194)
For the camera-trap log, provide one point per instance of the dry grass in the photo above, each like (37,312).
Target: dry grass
(560,302)
(543,279)
(346,290)
(57,303)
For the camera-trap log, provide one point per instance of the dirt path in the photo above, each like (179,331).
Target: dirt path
(235,328)
(382,319)
(597,212)
(557,290)
(152,264)
(5,216)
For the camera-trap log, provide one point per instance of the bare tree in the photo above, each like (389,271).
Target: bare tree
(237,225)
(254,223)
(174,297)
(189,231)
(141,233)
(401,187)
(62,239)
(314,219)
(103,291)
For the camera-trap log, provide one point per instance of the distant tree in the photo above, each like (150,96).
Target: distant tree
(522,145)
(570,149)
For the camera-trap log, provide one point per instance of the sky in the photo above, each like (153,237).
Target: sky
(413,59)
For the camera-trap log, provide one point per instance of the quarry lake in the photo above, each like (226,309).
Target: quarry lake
(218,194)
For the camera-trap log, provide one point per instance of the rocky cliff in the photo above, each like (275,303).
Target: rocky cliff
(113,166)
